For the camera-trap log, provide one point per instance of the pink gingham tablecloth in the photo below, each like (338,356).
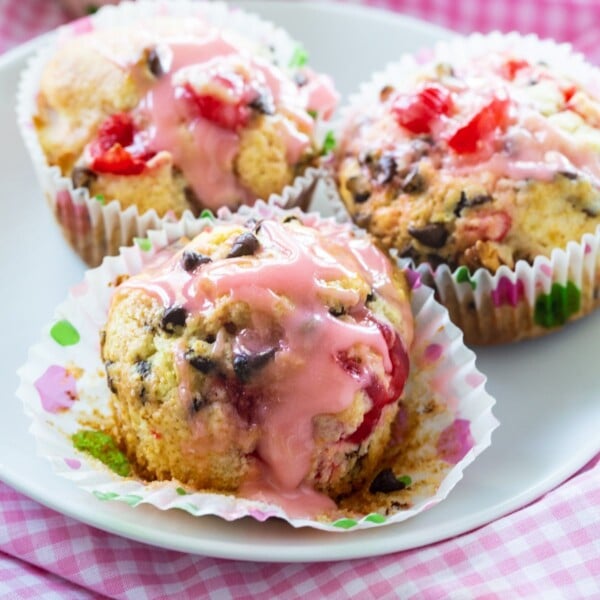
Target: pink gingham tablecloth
(549,549)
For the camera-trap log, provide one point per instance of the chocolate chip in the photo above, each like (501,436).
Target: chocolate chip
(465,202)
(337,311)
(568,174)
(386,482)
(245,365)
(143,367)
(370,297)
(83,177)
(204,364)
(433,235)
(385,92)
(291,218)
(230,327)
(300,79)
(435,260)
(210,338)
(244,245)
(411,252)
(359,187)
(173,317)
(363,219)
(198,403)
(154,64)
(191,260)
(109,379)
(263,104)
(191,197)
(366,158)
(386,169)
(413,182)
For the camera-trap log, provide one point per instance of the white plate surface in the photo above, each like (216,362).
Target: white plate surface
(547,390)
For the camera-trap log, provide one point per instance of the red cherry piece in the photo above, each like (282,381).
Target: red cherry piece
(117,129)
(418,112)
(227,115)
(488,225)
(118,161)
(568,93)
(379,395)
(480,127)
(510,68)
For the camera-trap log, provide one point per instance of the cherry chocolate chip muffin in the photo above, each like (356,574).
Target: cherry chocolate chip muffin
(484,155)
(265,360)
(177,115)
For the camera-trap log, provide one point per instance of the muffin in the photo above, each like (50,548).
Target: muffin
(174,113)
(264,359)
(484,157)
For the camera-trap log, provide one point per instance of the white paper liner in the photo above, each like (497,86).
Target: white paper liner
(501,307)
(93,229)
(442,369)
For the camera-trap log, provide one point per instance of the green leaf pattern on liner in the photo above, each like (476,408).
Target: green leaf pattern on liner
(375,518)
(104,496)
(405,479)
(143,243)
(207,214)
(299,58)
(102,446)
(345,523)
(555,308)
(100,198)
(189,507)
(463,276)
(131,499)
(64,333)
(180,491)
(329,143)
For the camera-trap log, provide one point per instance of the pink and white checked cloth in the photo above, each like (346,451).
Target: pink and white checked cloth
(550,549)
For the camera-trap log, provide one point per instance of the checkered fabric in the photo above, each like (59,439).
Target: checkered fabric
(549,549)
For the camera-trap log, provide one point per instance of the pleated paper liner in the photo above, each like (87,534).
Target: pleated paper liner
(524,302)
(444,423)
(92,228)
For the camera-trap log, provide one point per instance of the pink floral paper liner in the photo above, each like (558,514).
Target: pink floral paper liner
(65,370)
(527,301)
(531,299)
(94,229)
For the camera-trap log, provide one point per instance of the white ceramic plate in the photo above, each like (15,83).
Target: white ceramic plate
(547,390)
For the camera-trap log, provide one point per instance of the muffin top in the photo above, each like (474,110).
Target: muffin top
(276,339)
(476,158)
(175,113)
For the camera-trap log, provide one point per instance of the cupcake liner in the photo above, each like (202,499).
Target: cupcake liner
(93,229)
(445,425)
(519,303)
(531,299)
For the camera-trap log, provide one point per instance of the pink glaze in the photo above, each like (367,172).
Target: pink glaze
(305,377)
(523,145)
(538,150)
(320,94)
(202,149)
(56,388)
